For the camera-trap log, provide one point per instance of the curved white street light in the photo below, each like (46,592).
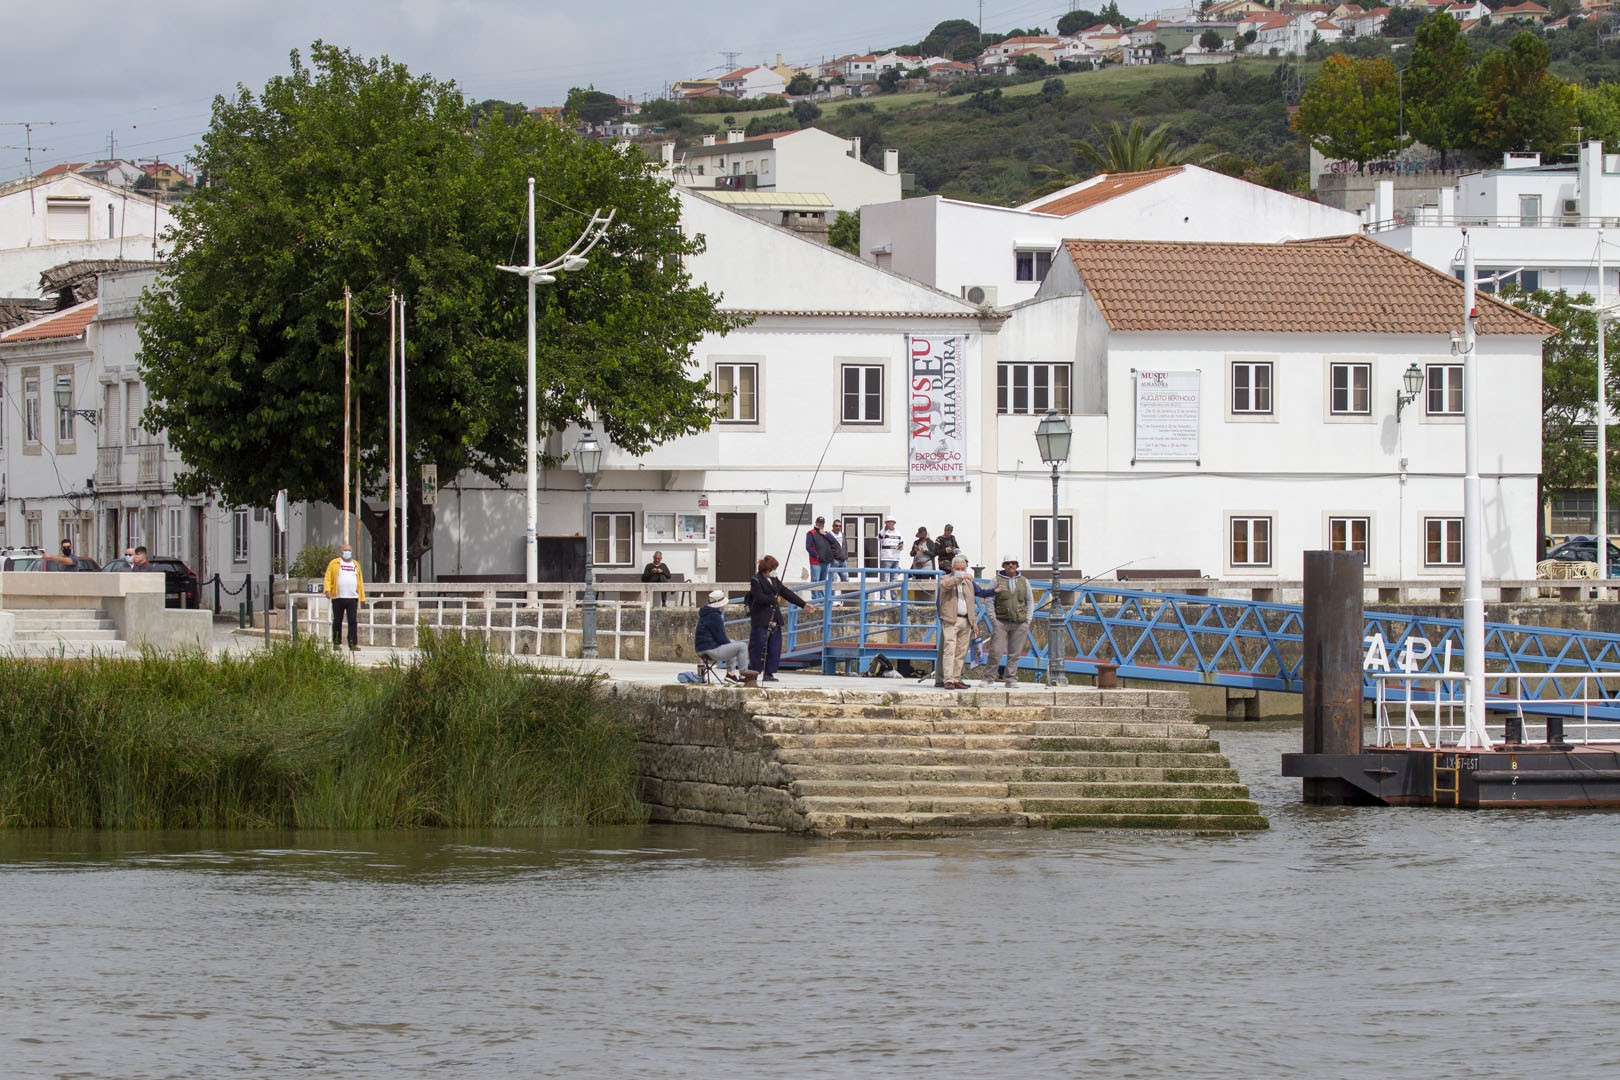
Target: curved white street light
(545,274)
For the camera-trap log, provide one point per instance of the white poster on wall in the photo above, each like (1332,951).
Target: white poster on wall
(1166,416)
(936,443)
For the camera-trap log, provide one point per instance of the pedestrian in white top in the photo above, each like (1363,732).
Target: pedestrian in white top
(346,588)
(890,545)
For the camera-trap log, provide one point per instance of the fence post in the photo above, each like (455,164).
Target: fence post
(1331,666)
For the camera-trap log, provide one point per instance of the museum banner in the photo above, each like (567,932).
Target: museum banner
(937,440)
(1166,416)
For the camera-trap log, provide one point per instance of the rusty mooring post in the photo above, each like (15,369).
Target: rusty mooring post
(1331,667)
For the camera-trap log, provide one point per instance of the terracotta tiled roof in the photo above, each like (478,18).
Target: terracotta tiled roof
(1342,284)
(1110,186)
(63,324)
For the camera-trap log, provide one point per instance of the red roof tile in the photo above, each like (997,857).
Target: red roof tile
(1108,187)
(1342,284)
(63,324)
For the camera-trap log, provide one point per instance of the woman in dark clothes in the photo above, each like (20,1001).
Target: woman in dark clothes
(765,596)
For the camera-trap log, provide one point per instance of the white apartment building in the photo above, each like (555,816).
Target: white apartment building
(45,222)
(783,163)
(1538,223)
(998,255)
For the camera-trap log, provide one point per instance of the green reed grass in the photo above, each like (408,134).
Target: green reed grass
(294,736)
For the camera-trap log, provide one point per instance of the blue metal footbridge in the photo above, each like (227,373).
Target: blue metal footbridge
(1178,638)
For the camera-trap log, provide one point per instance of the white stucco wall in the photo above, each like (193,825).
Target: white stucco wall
(121,226)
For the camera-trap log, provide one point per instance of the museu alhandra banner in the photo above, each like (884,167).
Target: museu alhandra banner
(937,442)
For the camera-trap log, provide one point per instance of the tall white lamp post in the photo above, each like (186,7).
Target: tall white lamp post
(588,459)
(1052,437)
(545,274)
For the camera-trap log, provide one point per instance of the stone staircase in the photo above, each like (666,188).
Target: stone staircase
(933,763)
(65,631)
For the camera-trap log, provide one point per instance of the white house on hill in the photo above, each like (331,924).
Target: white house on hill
(45,222)
(807,161)
(1000,254)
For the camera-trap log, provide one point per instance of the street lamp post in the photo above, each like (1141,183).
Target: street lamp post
(1052,437)
(588,459)
(1412,383)
(545,274)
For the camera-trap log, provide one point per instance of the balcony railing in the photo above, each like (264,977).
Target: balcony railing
(109,467)
(1431,216)
(150,468)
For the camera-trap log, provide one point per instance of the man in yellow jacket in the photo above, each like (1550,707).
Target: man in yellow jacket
(346,588)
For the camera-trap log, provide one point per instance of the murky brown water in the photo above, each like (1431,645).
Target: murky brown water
(1342,943)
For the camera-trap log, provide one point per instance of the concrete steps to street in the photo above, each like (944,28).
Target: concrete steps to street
(67,631)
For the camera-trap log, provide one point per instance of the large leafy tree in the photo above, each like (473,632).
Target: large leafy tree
(1521,106)
(1439,92)
(1569,391)
(1351,110)
(355,173)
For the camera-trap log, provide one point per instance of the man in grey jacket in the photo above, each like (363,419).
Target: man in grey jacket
(1013,606)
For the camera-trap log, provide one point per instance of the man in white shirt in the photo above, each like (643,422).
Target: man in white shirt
(346,588)
(890,545)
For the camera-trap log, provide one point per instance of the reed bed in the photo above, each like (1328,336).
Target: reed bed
(294,736)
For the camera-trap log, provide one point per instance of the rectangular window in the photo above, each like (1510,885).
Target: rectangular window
(1442,541)
(1352,390)
(173,534)
(1349,534)
(239,535)
(133,412)
(33,530)
(1445,383)
(739,383)
(1040,543)
(862,394)
(133,533)
(860,538)
(1031,265)
(611,536)
(1529,211)
(1251,387)
(1251,541)
(31,410)
(65,418)
(1032,389)
(67,218)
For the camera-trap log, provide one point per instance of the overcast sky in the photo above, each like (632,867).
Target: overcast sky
(144,74)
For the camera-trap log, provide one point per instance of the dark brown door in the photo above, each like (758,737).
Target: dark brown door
(734,538)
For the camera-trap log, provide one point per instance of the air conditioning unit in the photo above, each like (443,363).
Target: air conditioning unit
(983,295)
(1572,208)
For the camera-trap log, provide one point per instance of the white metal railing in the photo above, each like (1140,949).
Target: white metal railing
(149,470)
(1428,709)
(109,466)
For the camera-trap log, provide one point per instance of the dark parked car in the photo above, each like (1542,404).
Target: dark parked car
(1584,549)
(180,586)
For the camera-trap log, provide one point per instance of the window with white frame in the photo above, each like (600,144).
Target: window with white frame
(739,384)
(65,418)
(67,217)
(33,530)
(239,535)
(1349,534)
(31,434)
(861,393)
(1529,211)
(132,411)
(1031,265)
(1442,541)
(611,538)
(1251,387)
(1445,386)
(1032,389)
(1250,540)
(1041,536)
(134,535)
(1352,389)
(174,530)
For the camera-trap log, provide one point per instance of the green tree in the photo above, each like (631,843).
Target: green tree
(1521,106)
(1210,40)
(805,113)
(801,84)
(1569,391)
(1597,112)
(1120,149)
(353,172)
(592,106)
(1111,14)
(510,111)
(1350,111)
(1439,93)
(1077,20)
(845,231)
(949,36)
(1030,62)
(888,79)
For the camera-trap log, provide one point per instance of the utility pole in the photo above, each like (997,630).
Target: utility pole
(28,127)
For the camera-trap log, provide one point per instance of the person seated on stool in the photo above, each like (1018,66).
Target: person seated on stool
(712,643)
(657,572)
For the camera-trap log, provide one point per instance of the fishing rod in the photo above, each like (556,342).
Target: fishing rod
(793,545)
(1051,593)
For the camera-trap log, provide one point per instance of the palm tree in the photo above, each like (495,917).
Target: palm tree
(1135,149)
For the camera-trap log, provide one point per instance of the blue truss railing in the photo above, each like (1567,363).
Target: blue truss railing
(1183,638)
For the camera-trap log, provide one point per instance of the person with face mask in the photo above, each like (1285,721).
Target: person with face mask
(346,588)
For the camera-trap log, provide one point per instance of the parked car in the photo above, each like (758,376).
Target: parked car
(180,586)
(1584,549)
(31,562)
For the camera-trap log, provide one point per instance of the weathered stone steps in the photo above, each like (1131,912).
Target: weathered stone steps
(1014,773)
(1059,791)
(1014,741)
(990,758)
(988,726)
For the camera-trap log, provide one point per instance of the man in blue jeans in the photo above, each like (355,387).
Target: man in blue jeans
(840,553)
(820,550)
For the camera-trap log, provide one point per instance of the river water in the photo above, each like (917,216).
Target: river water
(1351,943)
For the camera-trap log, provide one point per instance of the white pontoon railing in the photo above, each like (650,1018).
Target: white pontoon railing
(1427,709)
